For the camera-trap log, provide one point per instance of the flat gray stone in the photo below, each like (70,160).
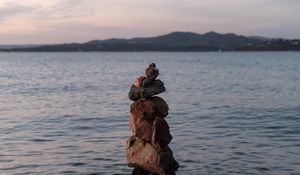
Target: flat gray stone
(136,93)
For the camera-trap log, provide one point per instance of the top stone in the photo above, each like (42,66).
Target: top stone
(147,86)
(151,74)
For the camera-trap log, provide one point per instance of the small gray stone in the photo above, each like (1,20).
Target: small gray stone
(136,93)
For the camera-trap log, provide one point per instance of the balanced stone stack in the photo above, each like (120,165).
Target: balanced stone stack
(147,150)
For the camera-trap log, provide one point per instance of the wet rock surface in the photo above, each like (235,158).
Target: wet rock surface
(147,150)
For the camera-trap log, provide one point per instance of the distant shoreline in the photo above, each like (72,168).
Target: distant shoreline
(240,51)
(172,42)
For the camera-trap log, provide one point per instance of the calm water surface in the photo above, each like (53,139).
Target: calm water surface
(230,113)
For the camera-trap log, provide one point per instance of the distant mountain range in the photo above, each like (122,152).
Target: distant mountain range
(175,41)
(20,46)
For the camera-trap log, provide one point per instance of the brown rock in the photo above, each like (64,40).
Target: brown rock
(161,136)
(141,109)
(151,74)
(142,129)
(148,149)
(136,93)
(161,107)
(142,155)
(149,109)
(132,124)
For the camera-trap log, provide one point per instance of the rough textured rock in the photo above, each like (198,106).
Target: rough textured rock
(149,109)
(151,74)
(132,124)
(141,128)
(136,93)
(161,107)
(161,136)
(142,155)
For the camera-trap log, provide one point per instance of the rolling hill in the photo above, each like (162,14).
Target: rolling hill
(175,41)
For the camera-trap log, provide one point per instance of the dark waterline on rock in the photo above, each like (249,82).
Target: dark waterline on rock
(230,113)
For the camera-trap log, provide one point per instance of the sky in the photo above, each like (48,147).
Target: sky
(65,21)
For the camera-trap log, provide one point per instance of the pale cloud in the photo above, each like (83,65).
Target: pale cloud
(54,21)
(10,10)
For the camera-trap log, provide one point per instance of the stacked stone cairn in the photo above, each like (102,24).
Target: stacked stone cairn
(147,150)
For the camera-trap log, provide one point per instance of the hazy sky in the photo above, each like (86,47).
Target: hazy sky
(57,21)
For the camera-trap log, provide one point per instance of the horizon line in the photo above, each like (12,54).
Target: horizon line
(166,33)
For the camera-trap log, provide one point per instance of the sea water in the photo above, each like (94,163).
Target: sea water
(230,112)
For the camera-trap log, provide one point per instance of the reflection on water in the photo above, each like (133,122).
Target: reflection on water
(230,113)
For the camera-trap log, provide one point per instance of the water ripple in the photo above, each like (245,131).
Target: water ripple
(230,113)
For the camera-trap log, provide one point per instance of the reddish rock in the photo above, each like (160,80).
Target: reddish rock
(142,129)
(138,110)
(161,136)
(136,93)
(142,155)
(149,109)
(138,82)
(132,124)
(148,149)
